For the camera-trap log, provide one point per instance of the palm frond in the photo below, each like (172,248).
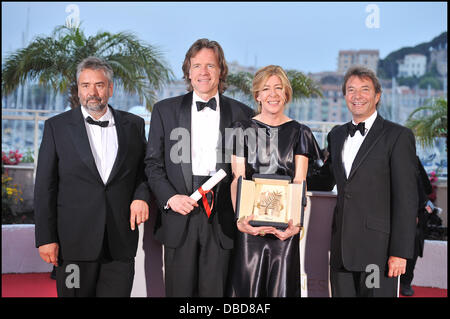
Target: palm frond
(302,85)
(139,67)
(429,121)
(241,81)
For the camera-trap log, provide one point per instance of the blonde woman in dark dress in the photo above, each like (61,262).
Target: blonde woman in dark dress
(266,260)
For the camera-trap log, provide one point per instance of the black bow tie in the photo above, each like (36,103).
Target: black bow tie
(211,103)
(352,128)
(99,123)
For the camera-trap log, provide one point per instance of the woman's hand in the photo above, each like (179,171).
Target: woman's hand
(288,232)
(244,226)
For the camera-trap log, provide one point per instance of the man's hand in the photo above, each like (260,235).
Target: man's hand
(138,213)
(397,266)
(49,253)
(182,204)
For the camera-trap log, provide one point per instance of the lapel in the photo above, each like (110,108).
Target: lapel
(77,131)
(184,121)
(373,136)
(222,161)
(121,125)
(341,136)
(225,121)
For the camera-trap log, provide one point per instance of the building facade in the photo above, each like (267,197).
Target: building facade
(367,58)
(438,57)
(412,65)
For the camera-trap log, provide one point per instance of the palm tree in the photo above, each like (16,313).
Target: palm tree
(138,67)
(429,122)
(240,82)
(302,86)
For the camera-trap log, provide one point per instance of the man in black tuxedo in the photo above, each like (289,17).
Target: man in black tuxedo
(373,162)
(90,169)
(186,145)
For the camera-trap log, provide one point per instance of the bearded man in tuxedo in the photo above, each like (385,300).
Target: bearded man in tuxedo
(91,191)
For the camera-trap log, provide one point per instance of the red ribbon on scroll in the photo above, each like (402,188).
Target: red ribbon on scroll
(205,200)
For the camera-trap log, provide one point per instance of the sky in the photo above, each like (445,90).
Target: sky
(305,36)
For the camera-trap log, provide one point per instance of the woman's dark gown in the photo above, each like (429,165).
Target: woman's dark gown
(264,266)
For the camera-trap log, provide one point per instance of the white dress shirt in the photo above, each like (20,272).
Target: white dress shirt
(352,144)
(204,137)
(103,142)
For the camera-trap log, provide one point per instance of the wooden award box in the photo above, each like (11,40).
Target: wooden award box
(272,199)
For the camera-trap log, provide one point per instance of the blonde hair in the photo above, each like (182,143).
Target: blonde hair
(261,77)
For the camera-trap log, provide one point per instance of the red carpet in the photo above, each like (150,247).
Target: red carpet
(427,292)
(28,285)
(40,285)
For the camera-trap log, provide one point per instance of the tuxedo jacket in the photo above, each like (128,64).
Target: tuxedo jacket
(72,204)
(169,166)
(375,214)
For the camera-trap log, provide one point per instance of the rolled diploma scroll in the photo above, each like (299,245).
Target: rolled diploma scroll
(210,183)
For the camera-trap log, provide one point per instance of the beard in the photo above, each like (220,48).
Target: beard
(98,107)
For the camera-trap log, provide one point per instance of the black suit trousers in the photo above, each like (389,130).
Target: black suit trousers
(198,267)
(362,284)
(105,277)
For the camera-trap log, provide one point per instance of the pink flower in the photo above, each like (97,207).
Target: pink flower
(13,158)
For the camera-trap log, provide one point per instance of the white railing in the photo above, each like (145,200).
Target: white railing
(35,117)
(321,127)
(41,115)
